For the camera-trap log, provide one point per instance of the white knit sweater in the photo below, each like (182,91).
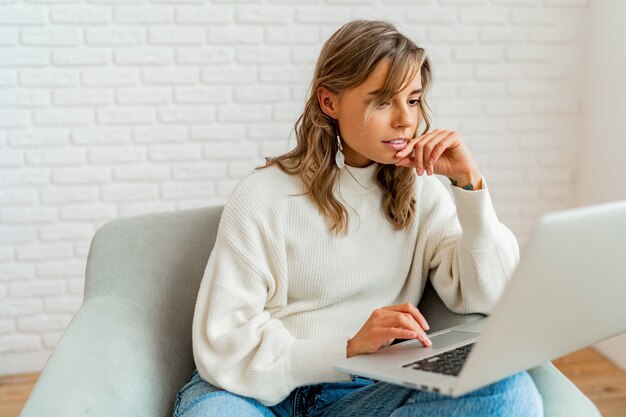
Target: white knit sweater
(281,295)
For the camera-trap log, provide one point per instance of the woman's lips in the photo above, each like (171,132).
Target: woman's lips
(398,146)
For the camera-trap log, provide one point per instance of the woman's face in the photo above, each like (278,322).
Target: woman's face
(364,142)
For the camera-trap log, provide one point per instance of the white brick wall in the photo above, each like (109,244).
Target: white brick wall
(113,108)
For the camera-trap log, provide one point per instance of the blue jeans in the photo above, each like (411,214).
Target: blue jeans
(515,396)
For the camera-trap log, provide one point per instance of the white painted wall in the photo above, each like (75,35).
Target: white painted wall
(111,108)
(602,157)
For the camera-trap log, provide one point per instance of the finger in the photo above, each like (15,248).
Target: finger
(406,152)
(411,146)
(419,161)
(414,311)
(422,146)
(399,318)
(406,321)
(406,162)
(429,146)
(441,148)
(417,315)
(399,333)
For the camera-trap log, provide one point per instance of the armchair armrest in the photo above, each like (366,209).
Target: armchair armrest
(110,362)
(128,349)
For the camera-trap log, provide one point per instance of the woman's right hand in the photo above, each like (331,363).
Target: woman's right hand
(402,321)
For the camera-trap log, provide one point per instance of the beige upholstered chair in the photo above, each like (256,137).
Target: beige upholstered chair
(127,351)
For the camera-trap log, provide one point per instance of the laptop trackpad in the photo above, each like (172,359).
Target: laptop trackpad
(449,338)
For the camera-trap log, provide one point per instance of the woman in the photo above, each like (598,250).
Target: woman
(324,252)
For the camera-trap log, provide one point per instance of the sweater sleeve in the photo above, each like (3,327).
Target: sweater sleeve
(474,254)
(237,345)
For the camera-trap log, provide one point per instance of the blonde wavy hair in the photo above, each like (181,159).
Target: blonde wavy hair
(346,60)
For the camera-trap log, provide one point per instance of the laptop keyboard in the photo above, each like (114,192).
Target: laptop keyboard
(448,363)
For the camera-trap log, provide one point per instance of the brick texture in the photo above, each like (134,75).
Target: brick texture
(116,108)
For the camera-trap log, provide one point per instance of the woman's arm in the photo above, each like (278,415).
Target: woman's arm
(472,255)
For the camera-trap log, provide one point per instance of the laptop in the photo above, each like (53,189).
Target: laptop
(567,292)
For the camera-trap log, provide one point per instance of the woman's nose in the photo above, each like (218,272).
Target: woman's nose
(403,117)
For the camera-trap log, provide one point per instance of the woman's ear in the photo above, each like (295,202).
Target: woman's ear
(328,101)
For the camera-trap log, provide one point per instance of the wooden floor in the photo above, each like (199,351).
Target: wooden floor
(602,381)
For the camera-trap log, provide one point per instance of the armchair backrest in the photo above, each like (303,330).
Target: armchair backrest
(157,260)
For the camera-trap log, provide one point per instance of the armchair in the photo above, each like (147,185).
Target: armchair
(127,351)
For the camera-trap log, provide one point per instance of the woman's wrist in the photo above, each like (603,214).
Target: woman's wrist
(471,180)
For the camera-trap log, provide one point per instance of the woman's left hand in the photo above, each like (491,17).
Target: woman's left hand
(441,152)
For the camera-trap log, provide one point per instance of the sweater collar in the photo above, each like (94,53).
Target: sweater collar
(357,181)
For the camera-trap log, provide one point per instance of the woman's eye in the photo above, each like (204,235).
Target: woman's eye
(413,102)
